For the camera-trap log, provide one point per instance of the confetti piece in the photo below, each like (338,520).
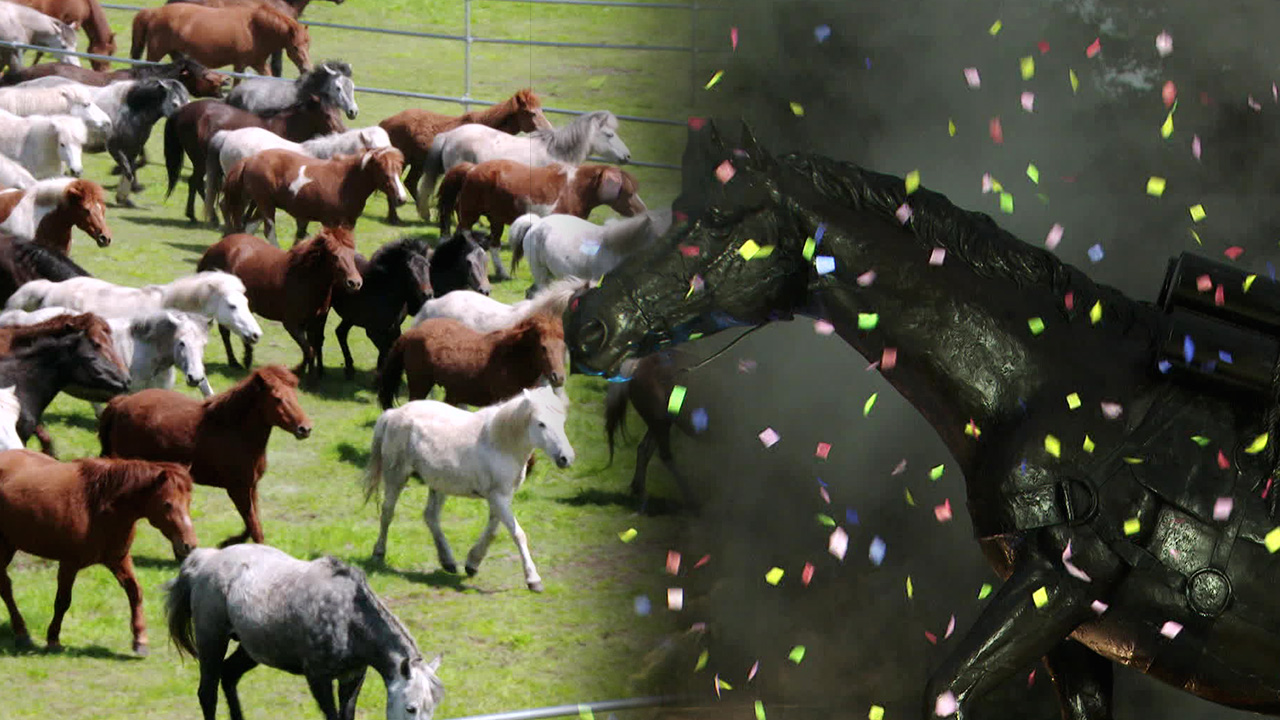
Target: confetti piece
(1195,146)
(1222,508)
(675,599)
(1257,445)
(1254,104)
(937,256)
(946,705)
(676,399)
(1233,252)
(806,575)
(821,33)
(951,127)
(769,437)
(971,77)
(851,516)
(1034,173)
(702,661)
(1111,410)
(911,589)
(689,251)
(1200,440)
(826,519)
(754,669)
(903,213)
(1052,446)
(971,429)
(810,246)
(1248,282)
(1006,203)
(720,685)
(943,512)
(913,181)
(774,576)
(1036,325)
(699,419)
(714,79)
(984,591)
(1155,186)
(951,627)
(1071,568)
(868,321)
(870,403)
(1132,526)
(1196,235)
(673,562)
(733,37)
(1188,349)
(1098,606)
(911,500)
(1166,130)
(642,605)
(996,132)
(1054,237)
(748,249)
(935,472)
(725,172)
(824,449)
(1204,283)
(995,28)
(1095,312)
(1040,597)
(705,559)
(1133,460)
(1069,300)
(877,551)
(1075,81)
(1028,100)
(1088,445)
(1028,67)
(1171,629)
(1168,93)
(797,109)
(1094,48)
(866,278)
(1073,401)
(796,654)
(899,468)
(1273,540)
(877,712)
(987,183)
(628,535)
(838,543)
(1164,44)
(1095,253)
(1031,678)
(888,359)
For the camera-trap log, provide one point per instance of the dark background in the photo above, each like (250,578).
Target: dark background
(879,92)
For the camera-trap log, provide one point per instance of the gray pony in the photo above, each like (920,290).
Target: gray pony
(318,619)
(330,81)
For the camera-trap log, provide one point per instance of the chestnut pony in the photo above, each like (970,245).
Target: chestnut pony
(89,15)
(294,287)
(411,131)
(240,36)
(478,369)
(50,209)
(223,438)
(503,190)
(199,80)
(332,192)
(84,513)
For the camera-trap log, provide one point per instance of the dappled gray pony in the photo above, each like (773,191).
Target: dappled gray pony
(330,80)
(318,619)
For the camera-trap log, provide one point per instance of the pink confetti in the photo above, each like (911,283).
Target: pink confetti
(690,250)
(769,437)
(1195,146)
(698,627)
(951,627)
(1223,462)
(1169,93)
(1275,93)
(1044,46)
(825,495)
(696,123)
(971,77)
(752,672)
(1028,101)
(873,366)
(943,512)
(716,684)
(1094,48)
(1267,489)
(725,172)
(733,37)
(937,256)
(901,467)
(822,327)
(1219,297)
(933,639)
(673,562)
(866,278)
(838,543)
(1257,106)
(1111,410)
(903,213)
(1204,283)
(806,575)
(1031,679)
(1222,508)
(705,559)
(997,133)
(1054,237)
(1234,252)
(1171,629)
(824,449)
(987,184)
(1071,568)
(946,705)
(1069,300)
(888,358)
(1099,607)
(1164,44)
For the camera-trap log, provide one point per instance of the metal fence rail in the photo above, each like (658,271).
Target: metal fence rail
(583,710)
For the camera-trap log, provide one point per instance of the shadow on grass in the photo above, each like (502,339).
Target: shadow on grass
(142,218)
(83,421)
(9,648)
(194,248)
(437,578)
(352,455)
(601,498)
(157,563)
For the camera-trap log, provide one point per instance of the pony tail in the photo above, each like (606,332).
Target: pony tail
(450,188)
(433,168)
(389,374)
(105,421)
(177,606)
(172,154)
(615,413)
(515,235)
(373,471)
(232,195)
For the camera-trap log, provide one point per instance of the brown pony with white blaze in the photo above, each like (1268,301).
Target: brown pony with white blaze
(474,368)
(411,131)
(294,287)
(503,190)
(81,13)
(223,438)
(243,36)
(46,212)
(84,513)
(332,192)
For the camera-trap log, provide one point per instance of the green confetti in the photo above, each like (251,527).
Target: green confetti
(763,252)
(714,79)
(877,712)
(1197,212)
(1194,234)
(1040,597)
(913,181)
(994,30)
(677,399)
(984,591)
(1006,203)
(870,403)
(951,127)
(1028,66)
(1088,444)
(774,576)
(722,684)
(1073,401)
(1155,186)
(692,336)
(1200,440)
(1095,313)
(759,710)
(1052,446)
(1257,445)
(1133,460)
(1034,173)
(911,591)
(702,661)
(810,246)
(936,472)
(797,109)
(1273,540)
(1248,282)
(748,249)
(1075,81)
(628,535)
(797,654)
(1036,325)
(911,499)
(868,321)
(826,520)
(1132,526)
(1166,129)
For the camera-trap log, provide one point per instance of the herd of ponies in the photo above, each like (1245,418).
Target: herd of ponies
(255,149)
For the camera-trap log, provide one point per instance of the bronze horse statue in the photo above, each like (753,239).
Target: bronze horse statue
(1117,454)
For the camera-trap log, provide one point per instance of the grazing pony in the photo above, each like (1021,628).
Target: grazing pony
(413,130)
(474,368)
(21,262)
(199,80)
(83,513)
(484,314)
(330,79)
(570,246)
(87,14)
(293,287)
(20,24)
(396,281)
(45,213)
(44,144)
(593,133)
(331,192)
(319,619)
(13,176)
(188,132)
(481,454)
(461,263)
(223,438)
(237,36)
(212,294)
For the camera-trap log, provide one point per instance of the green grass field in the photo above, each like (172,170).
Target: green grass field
(505,648)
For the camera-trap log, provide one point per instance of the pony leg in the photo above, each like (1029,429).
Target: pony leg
(348,363)
(644,453)
(481,548)
(233,669)
(315,335)
(349,693)
(668,460)
(211,642)
(501,506)
(322,691)
(299,335)
(61,603)
(393,485)
(495,232)
(123,570)
(127,177)
(46,440)
(246,502)
(226,343)
(22,638)
(431,516)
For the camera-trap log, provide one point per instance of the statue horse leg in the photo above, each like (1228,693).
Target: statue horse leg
(1084,680)
(234,668)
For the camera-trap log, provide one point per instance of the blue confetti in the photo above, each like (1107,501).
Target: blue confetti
(822,483)
(699,419)
(1164,366)
(1188,349)
(851,516)
(1271,270)
(825,264)
(1224,356)
(1023,468)
(868,63)
(877,551)
(643,606)
(821,33)
(1095,253)
(590,248)
(817,234)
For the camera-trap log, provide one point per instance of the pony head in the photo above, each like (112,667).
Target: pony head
(546,425)
(529,116)
(339,247)
(87,204)
(618,189)
(414,691)
(170,508)
(221,296)
(70,137)
(81,107)
(542,334)
(605,141)
(279,400)
(9,409)
(190,336)
(387,164)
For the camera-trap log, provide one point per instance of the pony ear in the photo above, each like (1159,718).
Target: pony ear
(74,25)
(610,184)
(522,100)
(435,662)
(405,666)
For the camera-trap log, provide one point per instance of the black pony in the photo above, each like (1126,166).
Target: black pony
(397,280)
(461,263)
(21,262)
(143,106)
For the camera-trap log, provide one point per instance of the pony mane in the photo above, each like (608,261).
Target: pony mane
(48,263)
(541,323)
(313,81)
(554,298)
(574,133)
(527,97)
(61,326)
(107,480)
(202,285)
(458,246)
(326,242)
(233,404)
(512,416)
(366,594)
(51,191)
(398,252)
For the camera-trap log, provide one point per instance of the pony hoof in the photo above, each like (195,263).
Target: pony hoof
(350,374)
(126,203)
(472,570)
(141,649)
(450,568)
(138,187)
(536,586)
(53,647)
(23,643)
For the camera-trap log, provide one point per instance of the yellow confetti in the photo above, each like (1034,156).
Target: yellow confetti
(797,654)
(910,588)
(972,430)
(1273,540)
(1197,212)
(722,684)
(764,252)
(1194,234)
(1155,186)
(951,127)
(1006,203)
(996,186)
(810,247)
(1028,65)
(1248,282)
(628,535)
(774,576)
(1133,460)
(1088,444)
(1073,400)
(677,399)
(1034,173)
(1257,445)
(702,661)
(714,79)
(1052,446)
(748,249)
(870,403)
(797,109)
(1075,81)
(911,499)
(935,472)
(1132,526)
(984,591)
(994,30)
(913,181)
(1166,129)
(1095,313)
(1040,597)
(759,710)
(876,713)
(1036,325)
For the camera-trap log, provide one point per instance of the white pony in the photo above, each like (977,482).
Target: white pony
(216,295)
(10,408)
(75,100)
(13,175)
(21,24)
(484,314)
(44,144)
(567,246)
(485,454)
(228,147)
(108,98)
